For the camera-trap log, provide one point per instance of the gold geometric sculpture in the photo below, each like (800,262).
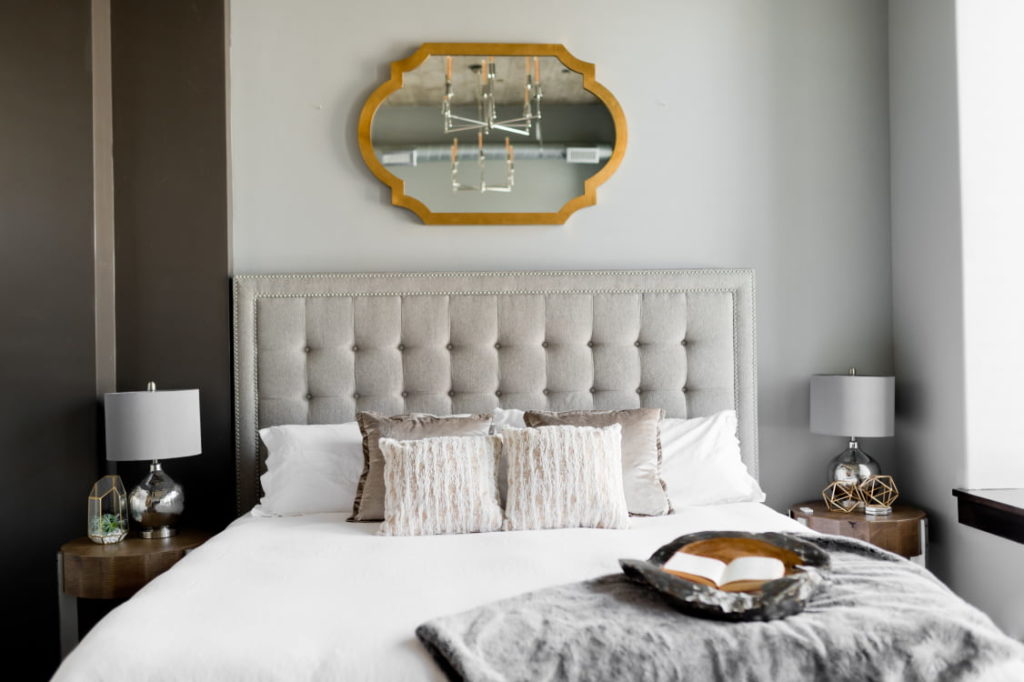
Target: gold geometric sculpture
(878,493)
(842,497)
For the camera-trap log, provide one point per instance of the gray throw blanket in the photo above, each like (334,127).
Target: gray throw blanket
(880,617)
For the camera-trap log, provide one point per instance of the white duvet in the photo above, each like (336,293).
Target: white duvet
(315,598)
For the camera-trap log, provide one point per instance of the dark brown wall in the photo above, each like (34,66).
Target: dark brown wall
(48,407)
(173,317)
(170,179)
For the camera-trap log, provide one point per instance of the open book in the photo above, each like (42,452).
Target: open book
(744,568)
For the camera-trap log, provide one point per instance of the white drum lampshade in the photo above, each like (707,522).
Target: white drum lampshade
(853,405)
(153,425)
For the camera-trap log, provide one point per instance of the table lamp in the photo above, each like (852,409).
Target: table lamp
(854,406)
(153,425)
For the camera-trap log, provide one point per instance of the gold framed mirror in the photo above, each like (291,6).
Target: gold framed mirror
(492,133)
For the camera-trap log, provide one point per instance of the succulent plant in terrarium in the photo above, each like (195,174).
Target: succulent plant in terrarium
(108,524)
(108,511)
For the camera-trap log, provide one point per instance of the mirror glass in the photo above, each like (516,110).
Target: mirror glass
(493,137)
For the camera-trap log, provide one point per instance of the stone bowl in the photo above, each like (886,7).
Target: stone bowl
(769,600)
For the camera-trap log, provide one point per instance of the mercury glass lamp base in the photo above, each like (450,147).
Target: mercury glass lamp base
(156,503)
(153,533)
(852,465)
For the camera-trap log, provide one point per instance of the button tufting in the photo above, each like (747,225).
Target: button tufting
(497,346)
(405,394)
(401,346)
(684,389)
(355,396)
(450,347)
(355,349)
(639,390)
(306,349)
(683,342)
(636,343)
(497,393)
(451,394)
(309,396)
(590,344)
(593,390)
(544,344)
(546,392)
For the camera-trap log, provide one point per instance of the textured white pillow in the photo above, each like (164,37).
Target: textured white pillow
(441,485)
(311,468)
(702,463)
(564,477)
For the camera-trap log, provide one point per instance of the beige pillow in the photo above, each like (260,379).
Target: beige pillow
(369,502)
(564,477)
(441,485)
(641,452)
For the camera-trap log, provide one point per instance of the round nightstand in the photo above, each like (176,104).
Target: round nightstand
(903,532)
(93,571)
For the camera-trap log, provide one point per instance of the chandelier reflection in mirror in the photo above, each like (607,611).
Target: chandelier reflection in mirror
(487,109)
(485,158)
(487,121)
(481,162)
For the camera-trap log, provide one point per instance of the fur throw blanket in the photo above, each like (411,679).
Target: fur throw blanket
(879,617)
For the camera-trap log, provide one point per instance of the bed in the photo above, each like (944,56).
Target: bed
(314,597)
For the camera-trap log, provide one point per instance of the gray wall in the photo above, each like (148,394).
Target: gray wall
(48,407)
(758,136)
(928,307)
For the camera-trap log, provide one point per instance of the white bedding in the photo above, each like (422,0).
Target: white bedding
(313,597)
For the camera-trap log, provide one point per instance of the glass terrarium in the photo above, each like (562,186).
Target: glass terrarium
(108,511)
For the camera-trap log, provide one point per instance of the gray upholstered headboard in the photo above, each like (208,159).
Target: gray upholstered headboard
(315,349)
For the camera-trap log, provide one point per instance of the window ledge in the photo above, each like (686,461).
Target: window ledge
(999,511)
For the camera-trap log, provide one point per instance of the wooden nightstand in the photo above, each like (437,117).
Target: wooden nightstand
(91,571)
(903,532)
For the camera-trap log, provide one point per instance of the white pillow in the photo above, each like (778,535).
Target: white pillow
(564,477)
(311,468)
(701,462)
(501,418)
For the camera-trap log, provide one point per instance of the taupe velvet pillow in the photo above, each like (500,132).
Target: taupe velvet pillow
(641,451)
(369,502)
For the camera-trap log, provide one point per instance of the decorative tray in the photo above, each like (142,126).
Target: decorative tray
(806,567)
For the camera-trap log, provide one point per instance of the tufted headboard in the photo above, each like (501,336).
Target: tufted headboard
(316,349)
